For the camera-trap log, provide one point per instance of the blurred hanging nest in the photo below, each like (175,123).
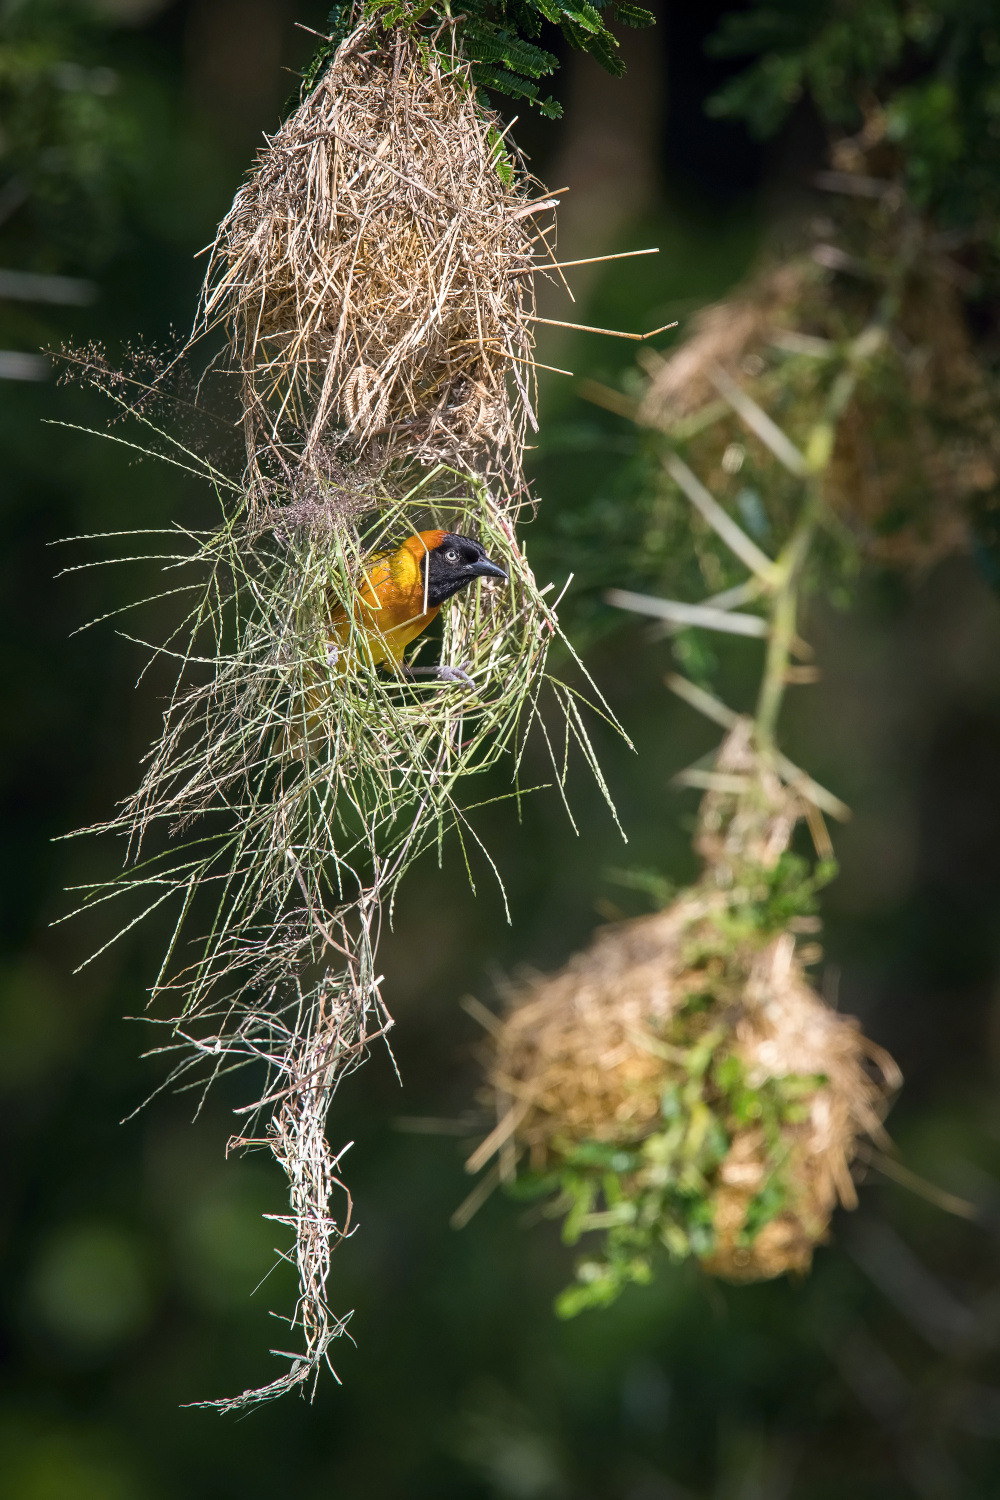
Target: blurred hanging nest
(917,448)
(371,274)
(680,1083)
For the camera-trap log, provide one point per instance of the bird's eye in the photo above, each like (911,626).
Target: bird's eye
(451,555)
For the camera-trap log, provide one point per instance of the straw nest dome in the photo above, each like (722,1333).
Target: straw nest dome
(683,1066)
(371,273)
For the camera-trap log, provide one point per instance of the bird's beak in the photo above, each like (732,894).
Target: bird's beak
(486,569)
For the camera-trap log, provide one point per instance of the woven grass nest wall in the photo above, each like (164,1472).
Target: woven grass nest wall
(680,1084)
(372,275)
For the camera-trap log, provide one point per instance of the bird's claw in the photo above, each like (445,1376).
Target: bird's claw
(445,674)
(456,674)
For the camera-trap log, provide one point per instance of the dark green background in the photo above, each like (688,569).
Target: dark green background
(131,1252)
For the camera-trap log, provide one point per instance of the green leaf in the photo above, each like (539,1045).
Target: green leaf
(583,1191)
(651,883)
(531,1185)
(728,1073)
(633,15)
(767,1205)
(602,1154)
(585,17)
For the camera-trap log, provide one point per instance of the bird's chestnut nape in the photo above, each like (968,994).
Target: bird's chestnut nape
(455,562)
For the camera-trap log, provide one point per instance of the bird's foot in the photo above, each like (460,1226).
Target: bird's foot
(445,674)
(456,674)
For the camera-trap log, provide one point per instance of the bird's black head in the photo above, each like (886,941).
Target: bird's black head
(456,561)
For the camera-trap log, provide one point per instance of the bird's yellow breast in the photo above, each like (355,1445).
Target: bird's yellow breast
(390,609)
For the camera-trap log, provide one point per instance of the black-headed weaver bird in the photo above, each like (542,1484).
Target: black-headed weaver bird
(402,592)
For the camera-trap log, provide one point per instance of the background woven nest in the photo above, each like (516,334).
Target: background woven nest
(918,447)
(371,274)
(587,1054)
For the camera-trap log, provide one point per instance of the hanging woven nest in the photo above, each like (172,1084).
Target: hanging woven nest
(680,1082)
(372,274)
(372,280)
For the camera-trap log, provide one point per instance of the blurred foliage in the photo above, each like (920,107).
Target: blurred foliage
(934,68)
(70,141)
